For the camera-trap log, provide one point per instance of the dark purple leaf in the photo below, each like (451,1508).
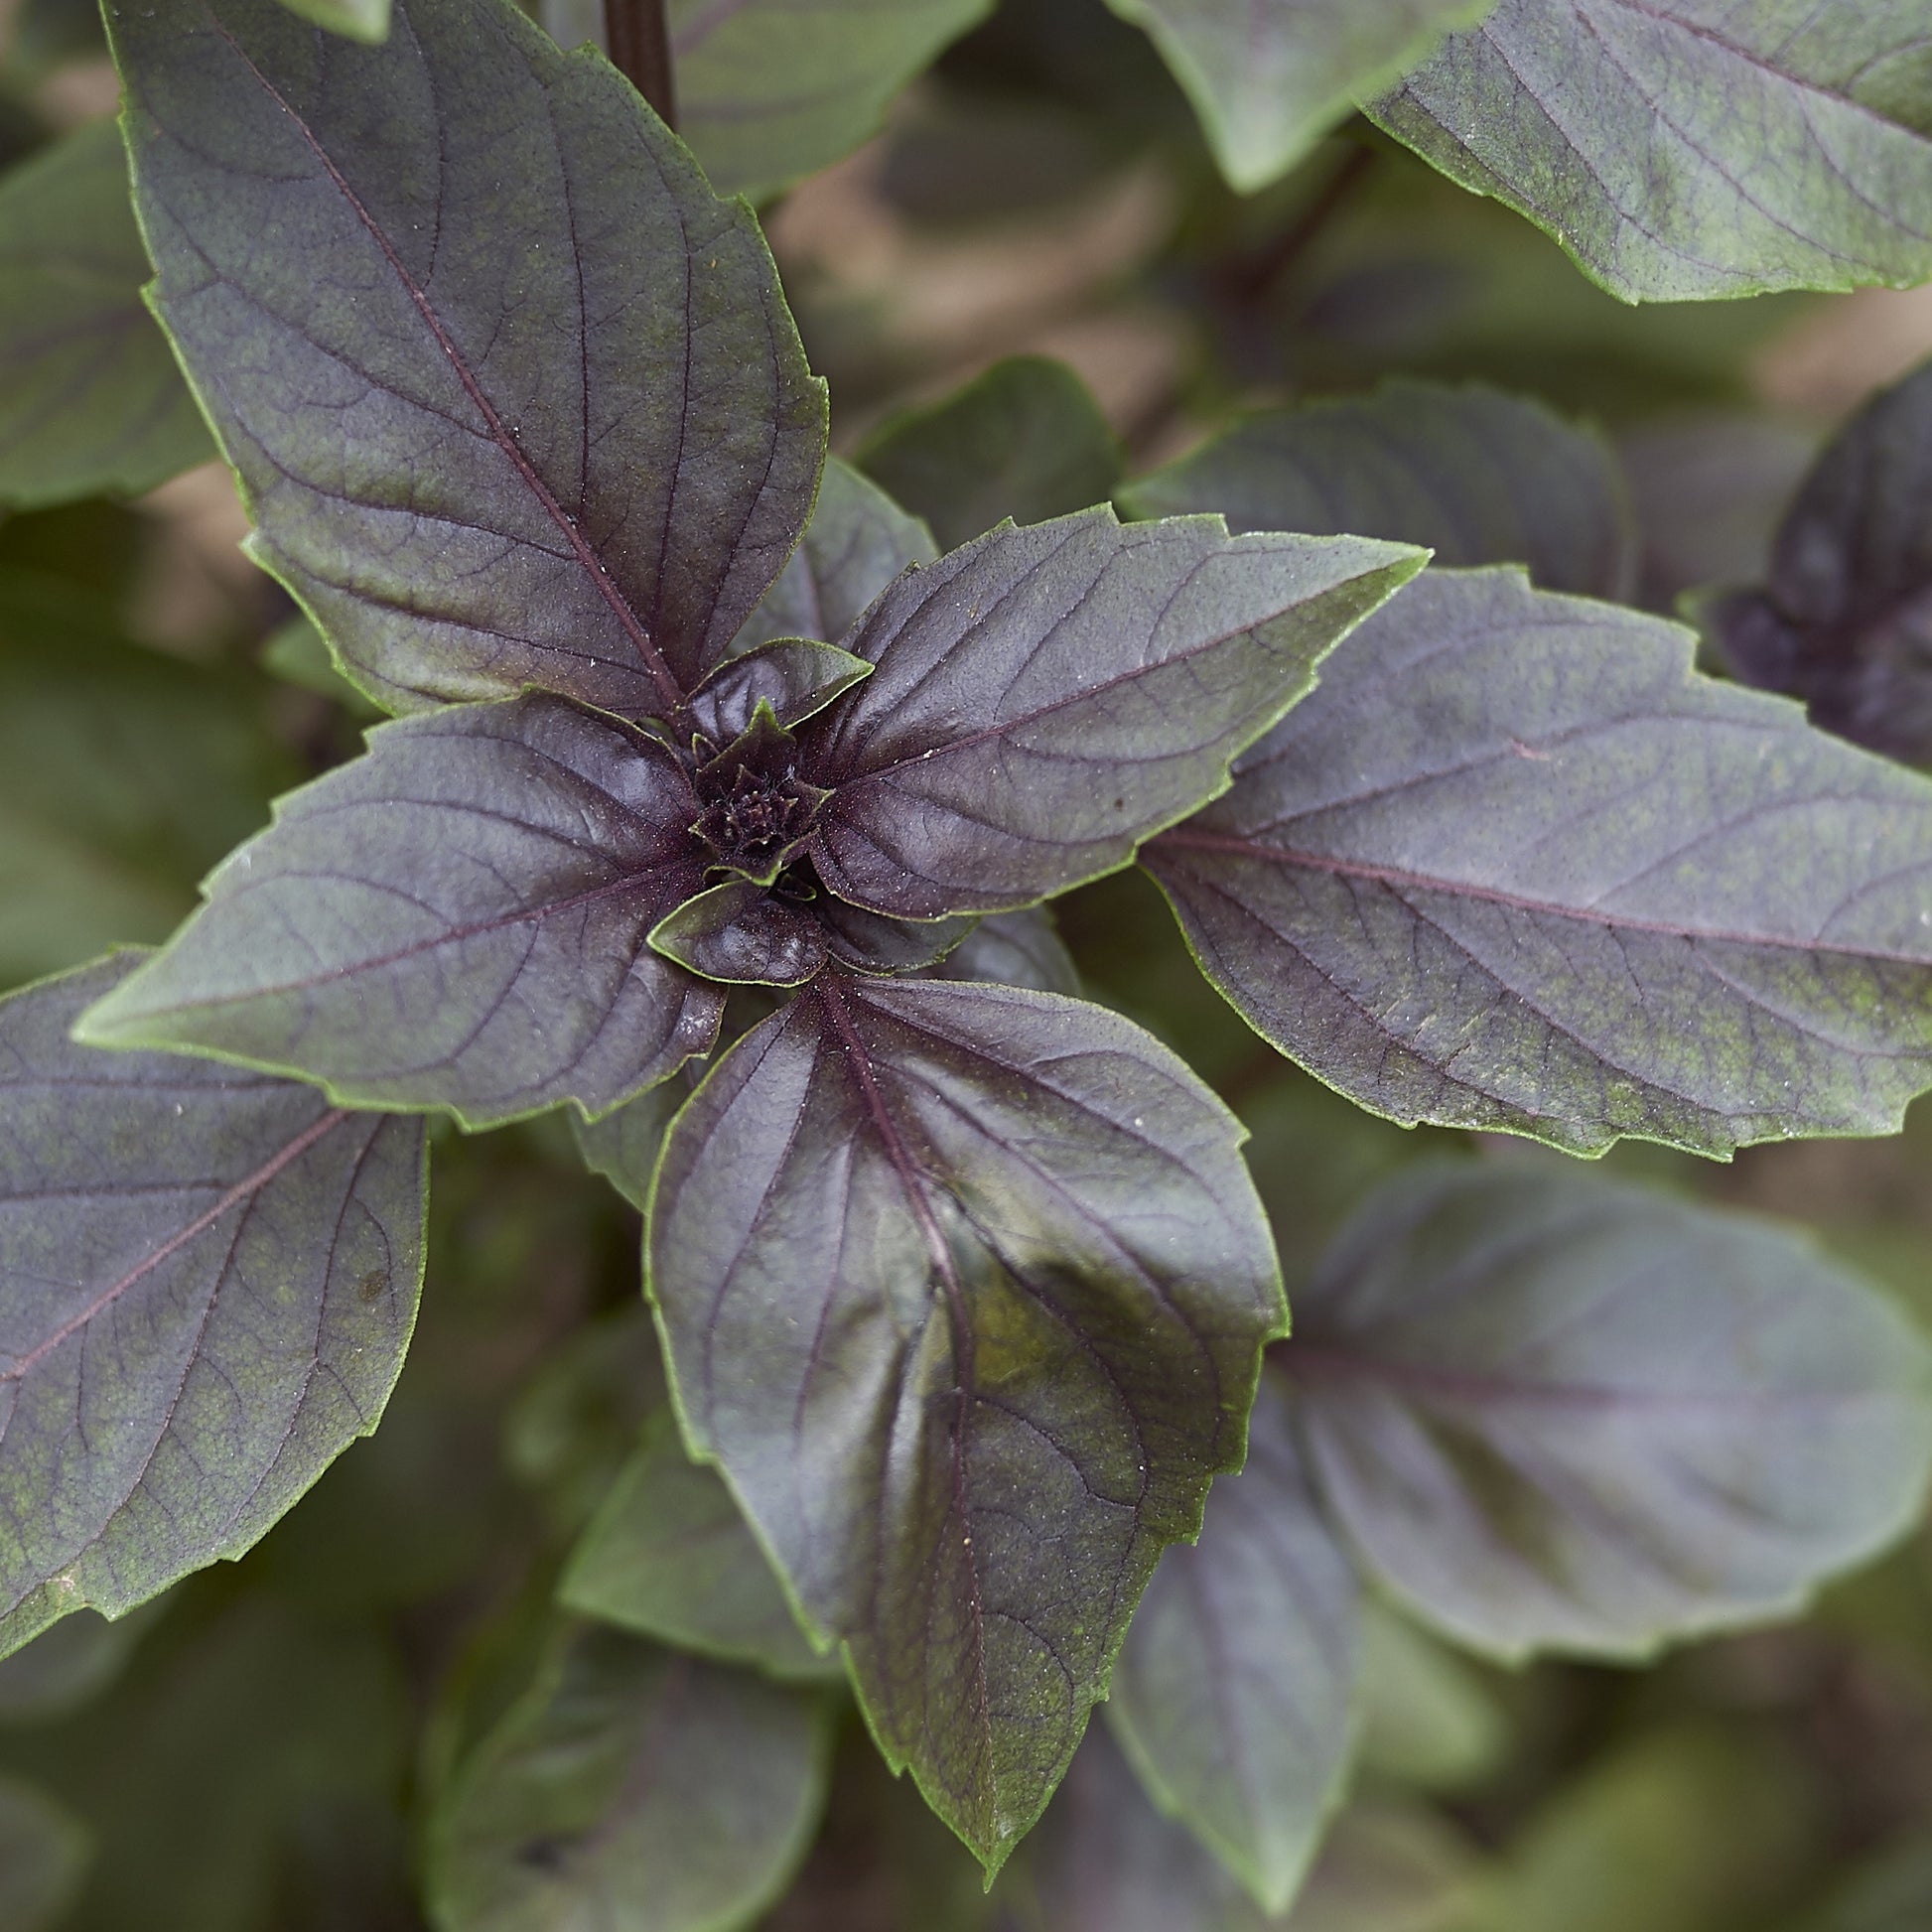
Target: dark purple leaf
(207,1279)
(514,395)
(1015,949)
(1514,866)
(1845,621)
(457,919)
(1234,1696)
(793,676)
(964,1290)
(1045,698)
(742,931)
(1556,1413)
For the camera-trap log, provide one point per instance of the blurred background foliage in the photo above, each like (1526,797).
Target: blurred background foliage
(259,1749)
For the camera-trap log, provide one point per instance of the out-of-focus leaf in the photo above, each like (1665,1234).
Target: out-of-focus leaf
(1234,1694)
(1160,649)
(297,654)
(1015,949)
(47,34)
(357,20)
(44,1854)
(1478,476)
(123,776)
(91,399)
(622,1145)
(1680,149)
(1026,441)
(207,1281)
(1515,865)
(964,1289)
(630,1787)
(771,90)
(437,354)
(856,542)
(1270,77)
(1428,1719)
(456,920)
(1557,1414)
(67,1665)
(1845,620)
(1890,1893)
(668,1556)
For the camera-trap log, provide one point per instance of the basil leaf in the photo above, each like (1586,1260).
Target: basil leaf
(1514,866)
(1026,441)
(207,1281)
(1477,476)
(1045,698)
(458,921)
(1554,1413)
(668,1556)
(964,1289)
(1015,949)
(630,1787)
(91,399)
(1684,151)
(1846,620)
(1234,1696)
(513,395)
(1270,77)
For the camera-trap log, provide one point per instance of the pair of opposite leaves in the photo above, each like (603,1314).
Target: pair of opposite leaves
(487,466)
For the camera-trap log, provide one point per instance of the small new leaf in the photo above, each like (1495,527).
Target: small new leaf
(1045,698)
(455,920)
(513,395)
(1684,151)
(964,1289)
(207,1279)
(1515,865)
(1234,1696)
(1554,1413)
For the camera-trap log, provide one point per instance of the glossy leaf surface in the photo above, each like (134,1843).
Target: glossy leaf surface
(1845,621)
(1025,439)
(668,1556)
(1554,1413)
(964,1290)
(1478,476)
(457,919)
(207,1281)
(90,399)
(1684,148)
(1045,698)
(630,1787)
(771,90)
(1270,77)
(514,395)
(1515,865)
(1235,1690)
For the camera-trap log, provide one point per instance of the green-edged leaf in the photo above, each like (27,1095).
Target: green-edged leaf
(668,1556)
(1104,676)
(771,90)
(856,542)
(1270,77)
(1683,148)
(44,1854)
(630,1787)
(1845,621)
(91,399)
(622,1145)
(1015,949)
(299,655)
(358,20)
(1026,441)
(1234,1697)
(456,920)
(207,1281)
(1515,865)
(794,677)
(1554,1413)
(964,1289)
(514,394)
(123,776)
(1477,476)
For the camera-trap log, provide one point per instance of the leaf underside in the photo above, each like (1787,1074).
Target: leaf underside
(1554,1413)
(1514,866)
(207,1281)
(964,1289)
(1684,150)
